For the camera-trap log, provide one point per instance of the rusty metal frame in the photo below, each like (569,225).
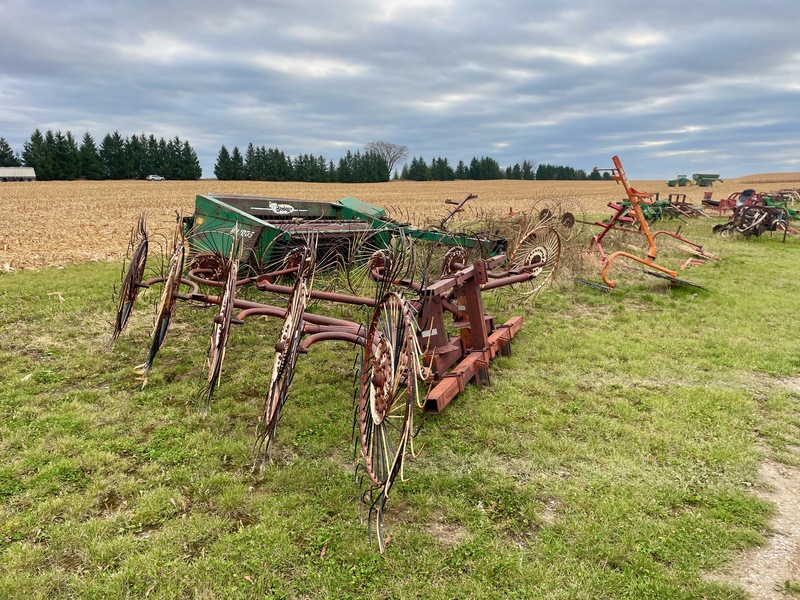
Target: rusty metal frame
(452,339)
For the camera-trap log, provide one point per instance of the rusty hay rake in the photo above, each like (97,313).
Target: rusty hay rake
(427,335)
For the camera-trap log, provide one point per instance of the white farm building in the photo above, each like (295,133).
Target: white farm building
(17,174)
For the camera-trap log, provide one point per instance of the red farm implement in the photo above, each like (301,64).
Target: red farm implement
(427,334)
(723,205)
(757,213)
(678,205)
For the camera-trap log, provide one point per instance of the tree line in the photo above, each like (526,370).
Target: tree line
(58,156)
(373,165)
(484,167)
(558,172)
(272,164)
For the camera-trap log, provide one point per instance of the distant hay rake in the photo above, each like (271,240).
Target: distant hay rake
(630,218)
(427,336)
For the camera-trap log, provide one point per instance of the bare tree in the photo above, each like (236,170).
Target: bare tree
(390,153)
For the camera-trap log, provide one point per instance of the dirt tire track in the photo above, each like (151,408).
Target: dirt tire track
(764,571)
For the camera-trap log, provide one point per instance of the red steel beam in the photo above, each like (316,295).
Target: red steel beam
(474,365)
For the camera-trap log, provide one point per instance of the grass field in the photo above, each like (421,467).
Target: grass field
(615,454)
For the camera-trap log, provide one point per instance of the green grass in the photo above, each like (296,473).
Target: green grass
(613,455)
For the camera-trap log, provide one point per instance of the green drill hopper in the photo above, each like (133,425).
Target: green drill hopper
(270,228)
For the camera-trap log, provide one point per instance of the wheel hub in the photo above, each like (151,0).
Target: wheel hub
(454,256)
(536,255)
(382,381)
(380,259)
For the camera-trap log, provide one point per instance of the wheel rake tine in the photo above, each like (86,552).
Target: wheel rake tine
(131,277)
(220,331)
(166,309)
(671,279)
(286,353)
(383,496)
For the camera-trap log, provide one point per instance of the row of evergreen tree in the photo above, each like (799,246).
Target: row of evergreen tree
(7,156)
(488,168)
(59,156)
(558,172)
(484,167)
(271,164)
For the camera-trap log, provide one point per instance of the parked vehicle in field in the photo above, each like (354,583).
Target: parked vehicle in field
(154,178)
(680,181)
(706,179)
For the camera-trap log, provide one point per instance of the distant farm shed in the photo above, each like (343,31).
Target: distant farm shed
(17,174)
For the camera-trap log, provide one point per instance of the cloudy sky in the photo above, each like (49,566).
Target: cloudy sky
(672,87)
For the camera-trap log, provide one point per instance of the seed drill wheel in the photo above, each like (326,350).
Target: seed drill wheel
(539,246)
(131,280)
(167,304)
(221,330)
(286,352)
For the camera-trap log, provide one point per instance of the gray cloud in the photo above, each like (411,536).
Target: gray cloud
(671,87)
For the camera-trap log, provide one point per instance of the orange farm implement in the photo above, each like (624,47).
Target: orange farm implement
(629,217)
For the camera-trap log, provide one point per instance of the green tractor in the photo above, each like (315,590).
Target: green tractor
(680,181)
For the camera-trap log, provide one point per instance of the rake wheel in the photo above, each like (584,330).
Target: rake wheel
(212,266)
(453,259)
(368,251)
(379,260)
(571,222)
(286,352)
(539,246)
(167,304)
(359,277)
(388,389)
(440,259)
(221,330)
(131,280)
